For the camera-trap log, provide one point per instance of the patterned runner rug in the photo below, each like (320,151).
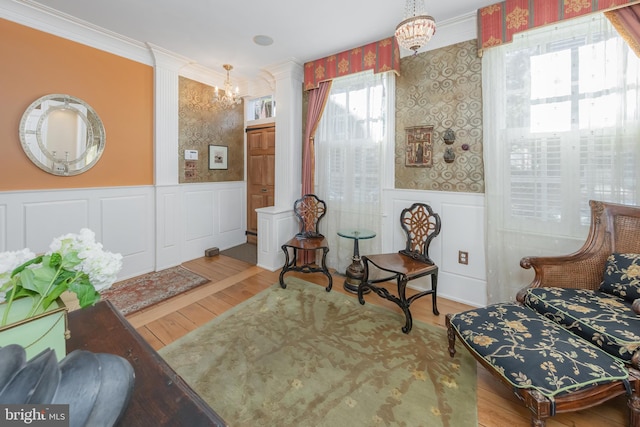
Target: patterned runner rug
(303,357)
(140,292)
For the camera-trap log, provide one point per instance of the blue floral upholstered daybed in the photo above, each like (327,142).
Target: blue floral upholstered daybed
(572,338)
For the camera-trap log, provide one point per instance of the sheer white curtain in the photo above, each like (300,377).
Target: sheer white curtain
(561,127)
(353,141)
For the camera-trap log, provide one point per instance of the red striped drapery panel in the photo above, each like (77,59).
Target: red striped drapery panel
(498,22)
(380,56)
(317,101)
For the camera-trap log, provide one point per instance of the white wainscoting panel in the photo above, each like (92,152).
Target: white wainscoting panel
(231,200)
(3,227)
(116,234)
(462,216)
(133,235)
(275,226)
(198,214)
(464,231)
(462,289)
(121,218)
(187,219)
(170,210)
(170,228)
(215,216)
(151,234)
(70,216)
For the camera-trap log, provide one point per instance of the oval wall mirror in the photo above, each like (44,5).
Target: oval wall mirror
(62,134)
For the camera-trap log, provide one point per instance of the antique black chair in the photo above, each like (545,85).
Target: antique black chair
(420,225)
(309,210)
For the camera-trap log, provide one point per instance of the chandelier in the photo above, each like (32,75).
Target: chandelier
(417,28)
(230,98)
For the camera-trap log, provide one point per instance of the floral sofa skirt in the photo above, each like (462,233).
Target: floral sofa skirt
(532,352)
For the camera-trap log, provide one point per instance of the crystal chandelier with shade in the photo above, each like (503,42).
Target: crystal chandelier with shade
(416,29)
(230,98)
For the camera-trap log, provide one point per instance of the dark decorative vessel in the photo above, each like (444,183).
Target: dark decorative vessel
(96,386)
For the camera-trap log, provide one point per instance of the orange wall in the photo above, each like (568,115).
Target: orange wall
(34,64)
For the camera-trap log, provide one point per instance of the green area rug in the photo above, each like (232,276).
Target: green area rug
(302,356)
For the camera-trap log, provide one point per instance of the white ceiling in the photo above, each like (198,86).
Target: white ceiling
(214,32)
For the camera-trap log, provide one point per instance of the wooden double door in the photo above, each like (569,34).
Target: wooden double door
(261,156)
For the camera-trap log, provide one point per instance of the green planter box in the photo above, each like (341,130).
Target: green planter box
(45,330)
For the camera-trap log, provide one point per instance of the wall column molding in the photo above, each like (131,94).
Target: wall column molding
(166,67)
(169,216)
(288,77)
(277,223)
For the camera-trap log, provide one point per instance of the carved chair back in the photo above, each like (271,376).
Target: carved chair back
(420,225)
(309,209)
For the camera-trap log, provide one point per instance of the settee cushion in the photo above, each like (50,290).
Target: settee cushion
(531,352)
(604,320)
(622,276)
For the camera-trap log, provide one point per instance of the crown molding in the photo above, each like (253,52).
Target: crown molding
(46,19)
(459,19)
(290,68)
(167,59)
(205,75)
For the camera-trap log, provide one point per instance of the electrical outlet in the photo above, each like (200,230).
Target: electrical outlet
(463,257)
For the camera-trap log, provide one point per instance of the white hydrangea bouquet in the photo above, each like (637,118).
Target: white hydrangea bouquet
(74,262)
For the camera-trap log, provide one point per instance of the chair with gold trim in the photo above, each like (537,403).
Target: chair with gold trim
(421,225)
(303,246)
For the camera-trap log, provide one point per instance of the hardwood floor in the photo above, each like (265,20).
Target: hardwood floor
(234,281)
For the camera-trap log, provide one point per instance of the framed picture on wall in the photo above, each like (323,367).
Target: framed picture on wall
(218,156)
(419,146)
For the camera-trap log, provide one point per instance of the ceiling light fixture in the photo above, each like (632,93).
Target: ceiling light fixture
(417,28)
(230,98)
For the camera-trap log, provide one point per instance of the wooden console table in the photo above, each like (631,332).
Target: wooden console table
(160,396)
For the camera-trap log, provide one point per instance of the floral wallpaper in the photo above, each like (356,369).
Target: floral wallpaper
(201,124)
(442,88)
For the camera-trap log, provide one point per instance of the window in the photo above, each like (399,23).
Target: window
(352,131)
(262,108)
(353,142)
(570,99)
(561,127)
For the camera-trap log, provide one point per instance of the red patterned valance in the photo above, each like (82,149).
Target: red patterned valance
(499,22)
(380,56)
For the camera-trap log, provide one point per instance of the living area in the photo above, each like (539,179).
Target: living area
(507,192)
(496,405)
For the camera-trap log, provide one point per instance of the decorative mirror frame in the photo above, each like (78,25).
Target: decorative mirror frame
(34,144)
